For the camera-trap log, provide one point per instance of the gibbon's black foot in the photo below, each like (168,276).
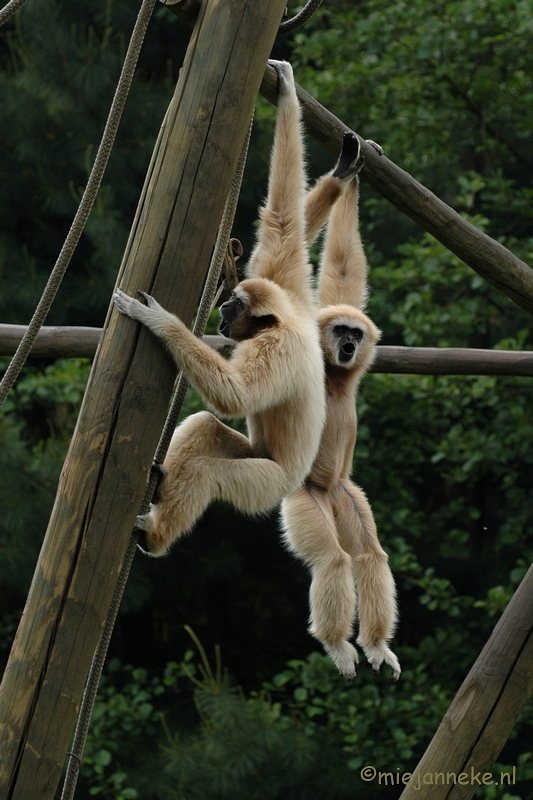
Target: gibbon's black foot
(160,473)
(351,160)
(142,542)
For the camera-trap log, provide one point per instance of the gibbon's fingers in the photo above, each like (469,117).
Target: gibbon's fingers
(377,147)
(151,302)
(128,306)
(285,75)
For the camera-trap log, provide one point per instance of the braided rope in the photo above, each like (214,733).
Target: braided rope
(97,665)
(301,18)
(87,201)
(9,9)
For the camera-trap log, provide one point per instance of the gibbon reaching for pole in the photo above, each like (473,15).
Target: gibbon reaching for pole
(328,521)
(275,376)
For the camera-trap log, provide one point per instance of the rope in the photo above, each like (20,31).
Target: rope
(97,665)
(9,9)
(301,18)
(87,201)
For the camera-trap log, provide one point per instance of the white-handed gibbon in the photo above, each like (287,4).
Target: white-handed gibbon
(275,376)
(328,521)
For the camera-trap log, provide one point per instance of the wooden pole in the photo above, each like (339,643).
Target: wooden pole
(79,342)
(471,735)
(105,473)
(485,255)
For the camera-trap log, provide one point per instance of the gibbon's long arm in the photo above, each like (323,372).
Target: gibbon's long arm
(281,253)
(231,387)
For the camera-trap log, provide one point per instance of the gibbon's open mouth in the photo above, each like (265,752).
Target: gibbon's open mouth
(346,352)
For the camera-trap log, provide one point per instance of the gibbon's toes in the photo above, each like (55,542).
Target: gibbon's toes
(379,654)
(344,656)
(160,473)
(285,74)
(351,160)
(377,147)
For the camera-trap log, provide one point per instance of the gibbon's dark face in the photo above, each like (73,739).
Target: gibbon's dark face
(347,340)
(230,311)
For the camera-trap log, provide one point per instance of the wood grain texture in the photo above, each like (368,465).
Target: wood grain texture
(123,411)
(484,710)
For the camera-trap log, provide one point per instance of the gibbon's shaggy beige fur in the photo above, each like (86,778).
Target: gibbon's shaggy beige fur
(328,522)
(275,376)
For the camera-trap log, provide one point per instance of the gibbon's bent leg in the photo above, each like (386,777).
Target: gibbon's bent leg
(343,266)
(207,461)
(310,533)
(321,198)
(375,585)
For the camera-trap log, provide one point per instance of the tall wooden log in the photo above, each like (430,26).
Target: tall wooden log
(460,756)
(125,404)
(80,342)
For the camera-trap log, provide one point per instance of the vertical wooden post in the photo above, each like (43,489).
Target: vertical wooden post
(105,472)
(473,731)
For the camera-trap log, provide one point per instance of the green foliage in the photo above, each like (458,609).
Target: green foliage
(61,62)
(124,728)
(36,424)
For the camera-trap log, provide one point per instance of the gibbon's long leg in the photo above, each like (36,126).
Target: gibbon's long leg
(327,190)
(310,533)
(281,252)
(208,461)
(318,203)
(343,268)
(375,584)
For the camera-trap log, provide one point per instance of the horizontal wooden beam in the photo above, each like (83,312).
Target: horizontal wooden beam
(80,342)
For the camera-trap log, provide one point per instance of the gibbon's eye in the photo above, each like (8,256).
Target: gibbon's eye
(358,334)
(340,330)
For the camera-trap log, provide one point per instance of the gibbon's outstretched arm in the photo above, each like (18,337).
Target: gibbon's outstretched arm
(233,389)
(275,376)
(328,522)
(281,253)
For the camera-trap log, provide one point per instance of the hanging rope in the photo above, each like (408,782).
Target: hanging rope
(9,9)
(93,679)
(87,201)
(301,18)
